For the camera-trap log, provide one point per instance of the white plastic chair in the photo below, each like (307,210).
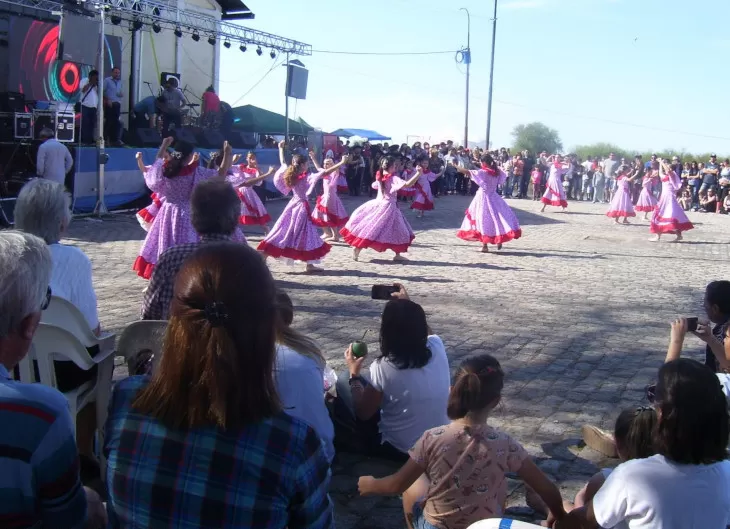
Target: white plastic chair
(502,523)
(141,335)
(66,315)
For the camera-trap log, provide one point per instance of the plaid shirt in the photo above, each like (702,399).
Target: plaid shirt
(273,474)
(158,296)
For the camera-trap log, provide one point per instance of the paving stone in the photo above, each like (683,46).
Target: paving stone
(577,311)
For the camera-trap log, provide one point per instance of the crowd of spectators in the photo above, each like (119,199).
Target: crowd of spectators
(231,425)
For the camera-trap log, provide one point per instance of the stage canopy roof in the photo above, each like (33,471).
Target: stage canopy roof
(363,133)
(235,10)
(248,118)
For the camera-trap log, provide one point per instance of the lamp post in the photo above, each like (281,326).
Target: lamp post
(491,74)
(467,59)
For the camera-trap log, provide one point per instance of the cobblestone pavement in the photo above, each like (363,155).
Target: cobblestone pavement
(577,312)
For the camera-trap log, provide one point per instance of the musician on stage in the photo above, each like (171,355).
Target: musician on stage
(89,103)
(113,106)
(145,112)
(172,102)
(211,116)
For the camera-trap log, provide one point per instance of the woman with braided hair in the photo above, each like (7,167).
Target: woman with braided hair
(173,176)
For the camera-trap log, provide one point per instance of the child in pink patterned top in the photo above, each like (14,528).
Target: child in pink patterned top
(456,473)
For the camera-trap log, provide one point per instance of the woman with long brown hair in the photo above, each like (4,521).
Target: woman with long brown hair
(204,440)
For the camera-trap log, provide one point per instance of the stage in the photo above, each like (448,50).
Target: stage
(123,182)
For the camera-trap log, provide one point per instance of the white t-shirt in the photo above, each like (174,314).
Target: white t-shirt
(300,384)
(414,400)
(71,280)
(724,379)
(655,493)
(91,99)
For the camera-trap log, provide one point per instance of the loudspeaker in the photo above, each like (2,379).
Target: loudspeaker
(243,140)
(185,135)
(211,139)
(75,32)
(12,102)
(6,126)
(296,82)
(146,138)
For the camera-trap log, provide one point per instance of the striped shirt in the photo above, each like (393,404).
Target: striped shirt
(39,463)
(269,475)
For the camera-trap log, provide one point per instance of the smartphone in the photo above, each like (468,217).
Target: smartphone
(691,324)
(383,291)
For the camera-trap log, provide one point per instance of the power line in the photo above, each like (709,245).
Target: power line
(393,53)
(260,80)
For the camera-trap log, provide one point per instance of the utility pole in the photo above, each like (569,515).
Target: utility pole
(466,57)
(491,75)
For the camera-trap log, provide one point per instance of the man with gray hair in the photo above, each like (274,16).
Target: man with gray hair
(54,159)
(40,483)
(215,210)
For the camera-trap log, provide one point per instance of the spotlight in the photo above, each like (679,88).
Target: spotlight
(258,51)
(116,19)
(227,44)
(242,47)
(211,40)
(137,24)
(273,54)
(196,37)
(178,32)
(156,27)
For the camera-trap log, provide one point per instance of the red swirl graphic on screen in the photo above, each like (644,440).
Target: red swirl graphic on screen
(69,77)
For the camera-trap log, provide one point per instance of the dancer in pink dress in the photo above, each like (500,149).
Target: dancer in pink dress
(243,177)
(621,205)
(329,213)
(294,236)
(488,220)
(174,179)
(406,174)
(424,196)
(669,217)
(554,192)
(647,202)
(145,216)
(378,223)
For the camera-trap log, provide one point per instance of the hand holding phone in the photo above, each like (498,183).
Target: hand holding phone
(384,292)
(692,324)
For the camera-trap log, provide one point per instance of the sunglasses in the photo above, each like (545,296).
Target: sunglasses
(47,301)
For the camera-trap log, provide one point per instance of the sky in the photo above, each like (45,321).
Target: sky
(642,74)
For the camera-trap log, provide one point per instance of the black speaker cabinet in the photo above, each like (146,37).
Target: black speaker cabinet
(146,137)
(65,127)
(211,139)
(185,135)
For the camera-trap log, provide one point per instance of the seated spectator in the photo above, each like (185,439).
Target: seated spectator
(204,441)
(43,209)
(686,199)
(709,201)
(726,204)
(687,484)
(214,211)
(299,373)
(39,464)
(406,392)
(633,435)
(455,475)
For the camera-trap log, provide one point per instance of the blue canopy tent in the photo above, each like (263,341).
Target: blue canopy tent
(363,133)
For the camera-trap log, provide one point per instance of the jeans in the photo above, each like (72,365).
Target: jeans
(508,186)
(419,520)
(88,122)
(170,121)
(111,118)
(695,197)
(449,181)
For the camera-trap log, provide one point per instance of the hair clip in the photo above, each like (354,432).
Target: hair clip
(641,409)
(216,313)
(177,155)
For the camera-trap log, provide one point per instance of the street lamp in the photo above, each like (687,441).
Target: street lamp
(466,57)
(491,74)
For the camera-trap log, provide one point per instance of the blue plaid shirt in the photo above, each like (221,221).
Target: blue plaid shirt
(273,474)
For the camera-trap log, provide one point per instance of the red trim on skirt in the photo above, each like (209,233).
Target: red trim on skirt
(674,227)
(474,235)
(561,203)
(617,214)
(357,242)
(143,267)
(145,215)
(156,199)
(250,220)
(644,209)
(294,254)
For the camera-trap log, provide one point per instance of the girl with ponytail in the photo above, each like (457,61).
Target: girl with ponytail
(172,178)
(456,473)
(488,220)
(294,236)
(379,224)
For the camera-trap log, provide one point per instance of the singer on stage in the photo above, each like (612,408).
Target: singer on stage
(89,104)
